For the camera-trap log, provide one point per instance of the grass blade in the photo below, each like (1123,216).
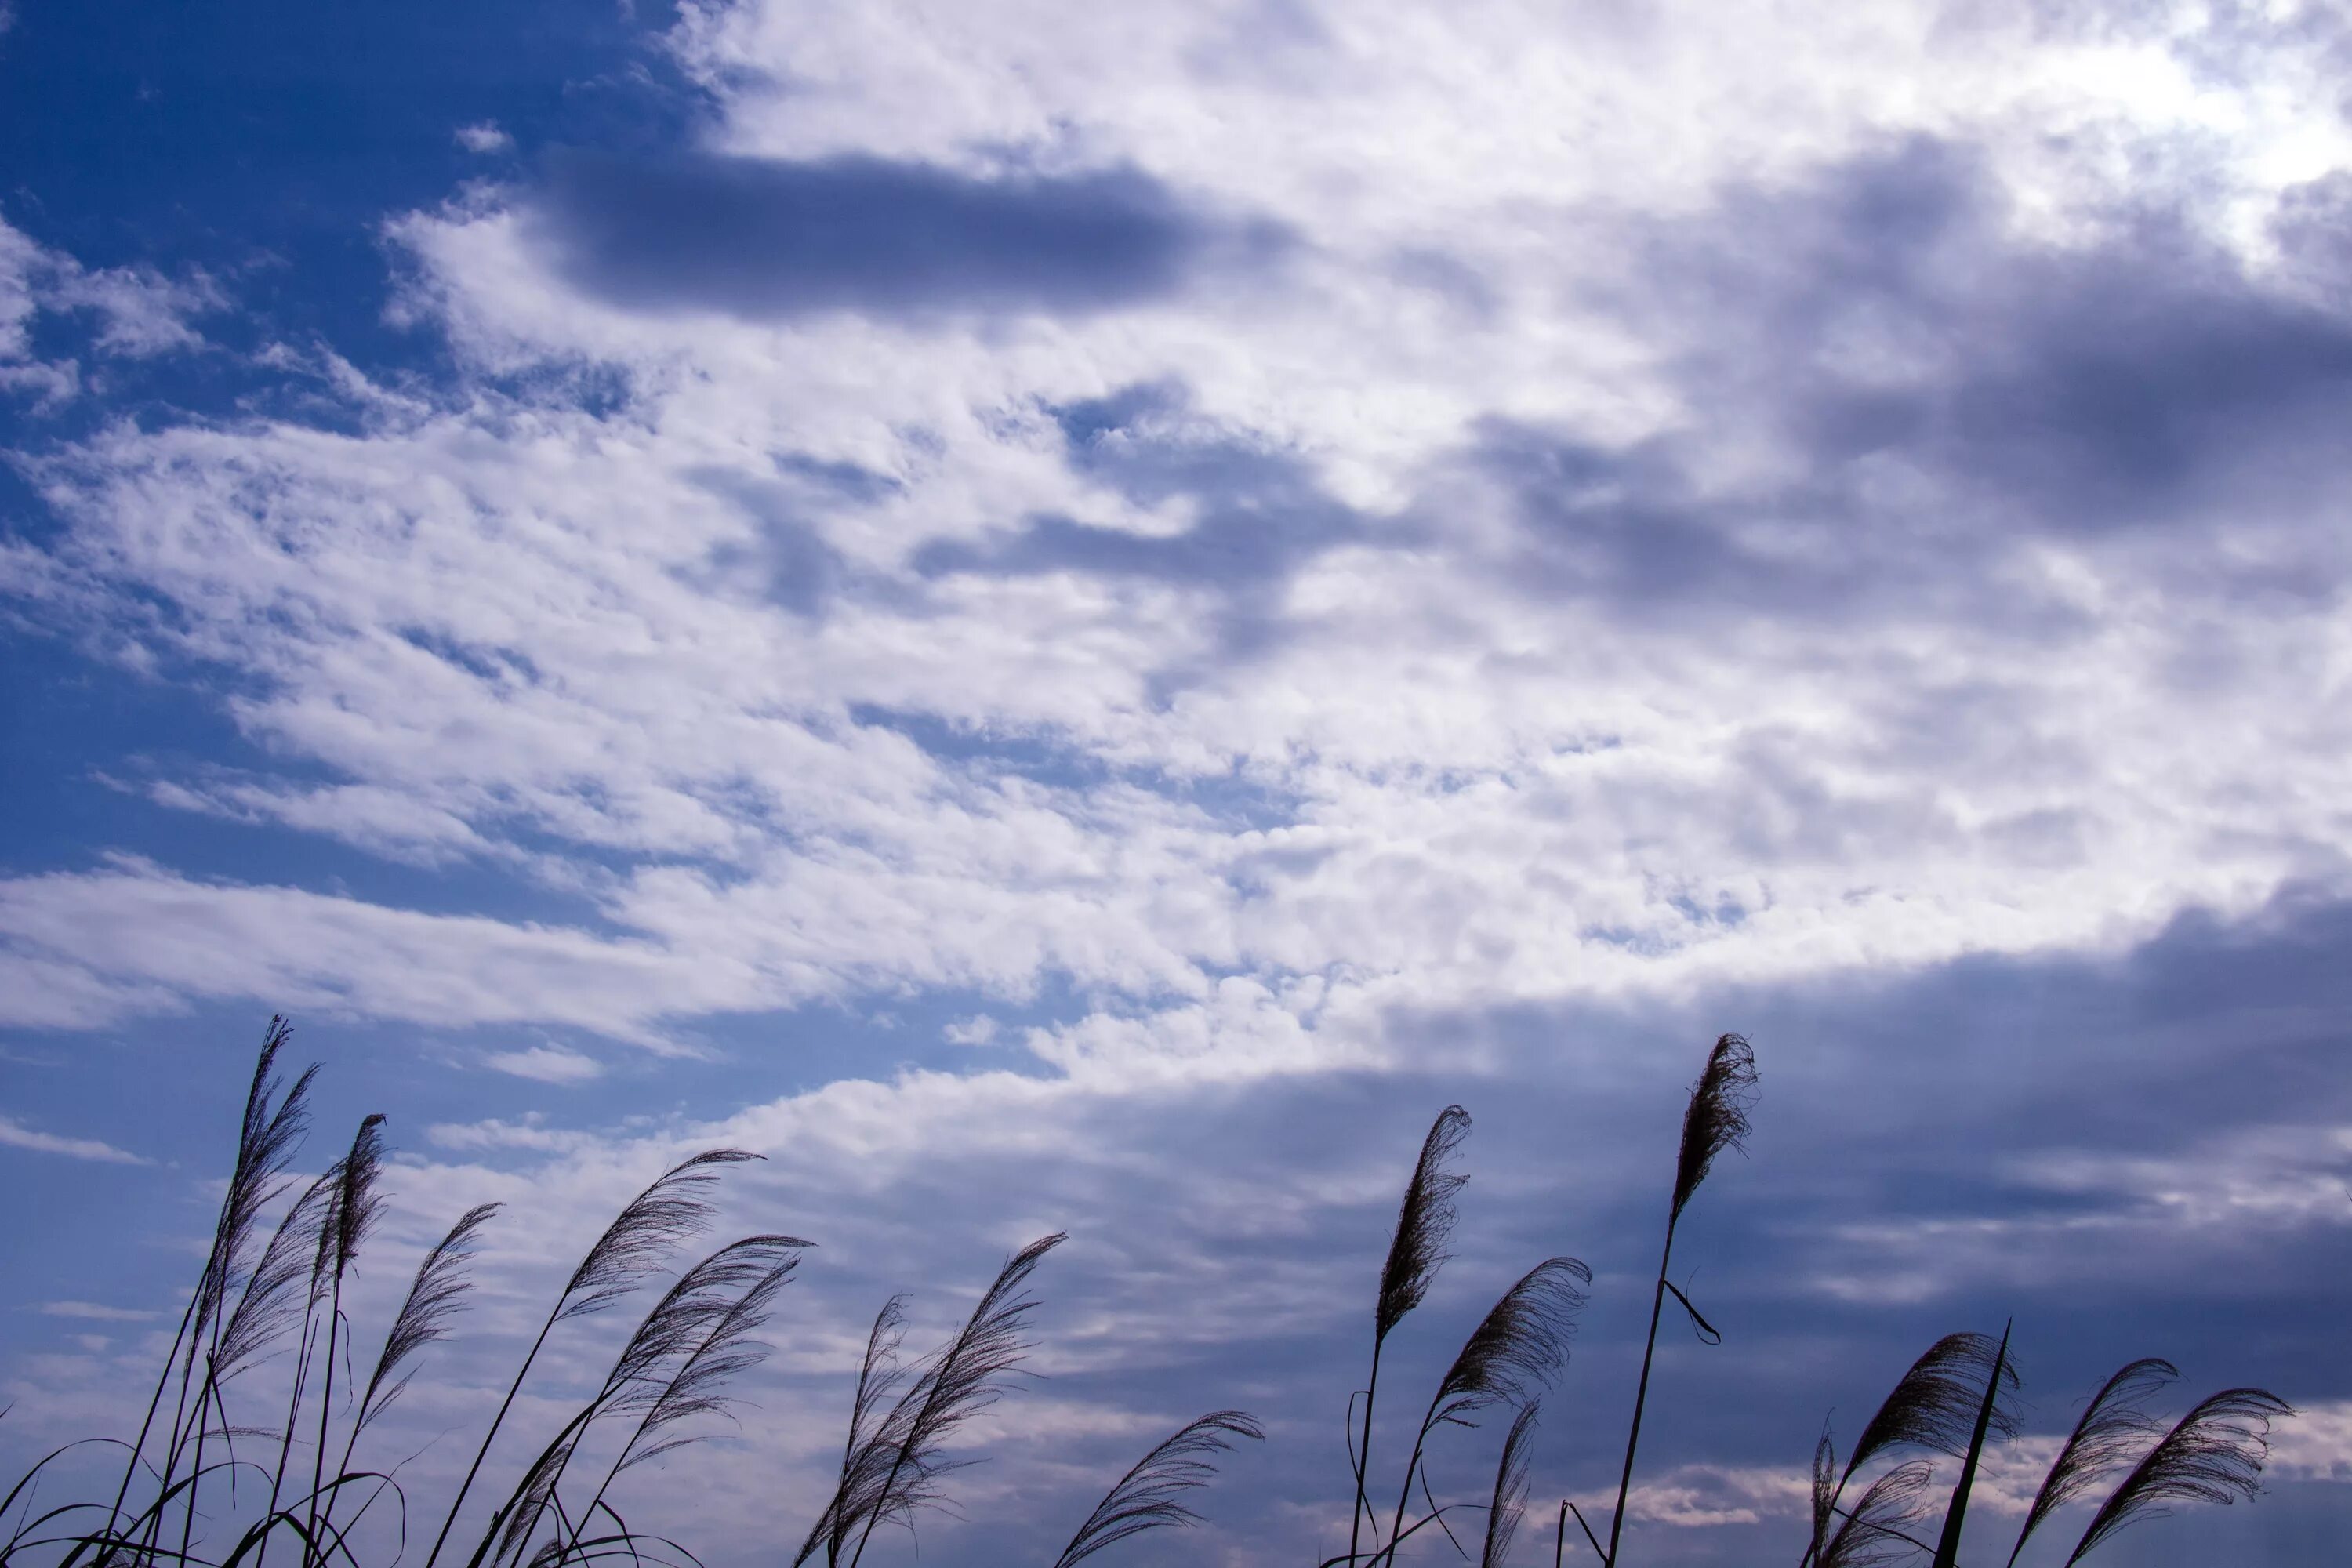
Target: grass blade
(1948,1547)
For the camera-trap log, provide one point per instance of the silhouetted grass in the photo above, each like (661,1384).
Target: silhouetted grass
(697,1337)
(255,1299)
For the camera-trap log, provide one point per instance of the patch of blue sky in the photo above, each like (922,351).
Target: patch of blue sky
(262,150)
(266,144)
(90,742)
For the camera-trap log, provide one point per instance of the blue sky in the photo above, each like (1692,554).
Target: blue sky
(1074,618)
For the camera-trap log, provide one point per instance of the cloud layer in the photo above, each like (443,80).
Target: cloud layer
(1188,582)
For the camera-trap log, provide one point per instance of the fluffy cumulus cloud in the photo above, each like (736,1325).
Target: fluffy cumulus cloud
(1249,565)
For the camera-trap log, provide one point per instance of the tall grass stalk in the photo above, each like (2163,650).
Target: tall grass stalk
(1948,1546)
(701,1334)
(963,1380)
(272,1124)
(1716,1120)
(352,1214)
(2214,1453)
(1425,1219)
(703,1300)
(670,1208)
(1515,1350)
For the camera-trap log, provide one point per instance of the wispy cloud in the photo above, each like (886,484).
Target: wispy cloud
(546,1064)
(141,312)
(97,1312)
(14,1134)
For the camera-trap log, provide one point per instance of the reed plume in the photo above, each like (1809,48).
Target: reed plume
(1933,1405)
(1876,1531)
(358,1205)
(1416,1250)
(434,1298)
(267,1133)
(963,1380)
(669,1334)
(1516,1349)
(698,1386)
(1509,1500)
(1150,1496)
(1825,1491)
(864,1461)
(676,1205)
(1948,1546)
(678,1323)
(1519,1345)
(2213,1454)
(672,1206)
(266,1308)
(1424,1223)
(1717,1117)
(267,1138)
(352,1212)
(1715,1120)
(511,1526)
(2114,1428)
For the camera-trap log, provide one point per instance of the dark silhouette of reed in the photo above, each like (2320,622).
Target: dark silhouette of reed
(255,1297)
(1416,1251)
(1716,1120)
(1953,1402)
(1151,1494)
(674,1370)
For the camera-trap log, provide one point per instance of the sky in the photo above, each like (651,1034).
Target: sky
(1074,618)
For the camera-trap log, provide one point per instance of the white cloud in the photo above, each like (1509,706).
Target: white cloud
(546,1064)
(20,258)
(141,312)
(14,1134)
(97,1312)
(1460,791)
(2314,1444)
(98,946)
(483,137)
(978,1030)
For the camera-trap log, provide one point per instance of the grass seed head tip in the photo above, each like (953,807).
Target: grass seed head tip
(1717,1118)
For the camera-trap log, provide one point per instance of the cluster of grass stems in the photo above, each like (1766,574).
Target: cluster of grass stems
(275,1292)
(1877,1510)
